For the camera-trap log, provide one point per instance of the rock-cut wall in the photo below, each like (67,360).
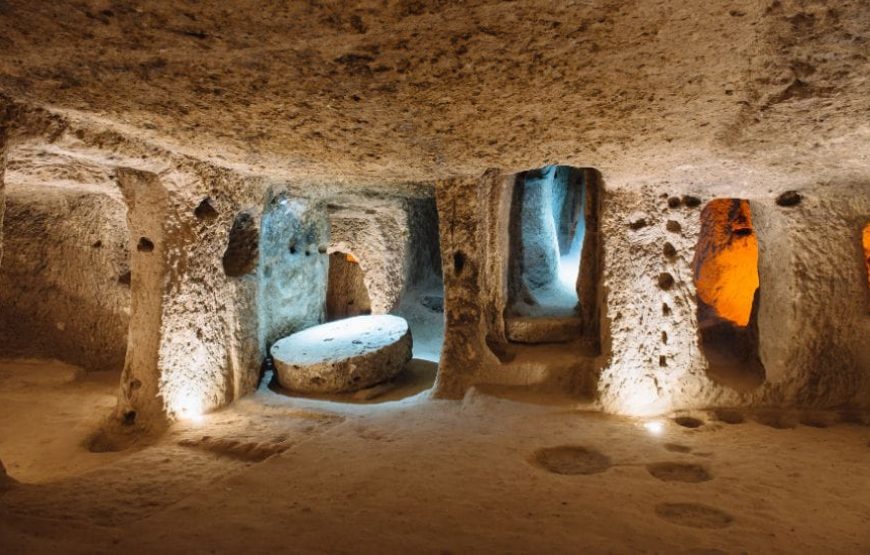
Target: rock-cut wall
(64,279)
(812,318)
(293,268)
(193,343)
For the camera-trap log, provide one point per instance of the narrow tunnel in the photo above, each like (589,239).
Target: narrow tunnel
(547,229)
(727,285)
(553,258)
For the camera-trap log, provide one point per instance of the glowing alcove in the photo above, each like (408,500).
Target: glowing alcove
(547,230)
(727,284)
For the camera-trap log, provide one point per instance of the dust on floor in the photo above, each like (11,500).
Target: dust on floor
(416,475)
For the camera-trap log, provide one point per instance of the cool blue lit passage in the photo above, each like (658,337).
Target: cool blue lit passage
(551,229)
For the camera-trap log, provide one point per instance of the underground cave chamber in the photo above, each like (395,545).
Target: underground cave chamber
(392,277)
(259,271)
(727,284)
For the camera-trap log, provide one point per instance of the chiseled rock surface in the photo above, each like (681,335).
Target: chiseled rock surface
(63,292)
(345,355)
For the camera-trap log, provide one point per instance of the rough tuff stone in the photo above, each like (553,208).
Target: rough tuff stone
(540,242)
(665,280)
(346,293)
(544,330)
(193,340)
(232,118)
(52,276)
(343,356)
(292,282)
(242,252)
(691,201)
(376,232)
(789,198)
(638,224)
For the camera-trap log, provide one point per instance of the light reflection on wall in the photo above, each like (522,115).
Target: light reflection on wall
(190,383)
(643,397)
(189,407)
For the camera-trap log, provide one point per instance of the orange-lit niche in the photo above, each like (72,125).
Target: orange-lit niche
(726,261)
(866,241)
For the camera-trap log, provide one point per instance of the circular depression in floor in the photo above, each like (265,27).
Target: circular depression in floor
(571,460)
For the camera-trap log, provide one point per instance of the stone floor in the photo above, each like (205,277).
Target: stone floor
(487,474)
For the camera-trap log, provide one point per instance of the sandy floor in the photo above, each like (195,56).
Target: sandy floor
(48,412)
(485,475)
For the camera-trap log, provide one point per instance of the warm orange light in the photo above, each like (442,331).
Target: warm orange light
(352,259)
(726,260)
(867,251)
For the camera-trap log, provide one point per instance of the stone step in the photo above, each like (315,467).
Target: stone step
(555,329)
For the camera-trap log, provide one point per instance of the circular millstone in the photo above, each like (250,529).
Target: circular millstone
(345,355)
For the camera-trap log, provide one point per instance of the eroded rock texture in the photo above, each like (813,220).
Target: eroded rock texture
(193,341)
(62,292)
(800,332)
(293,268)
(414,91)
(346,294)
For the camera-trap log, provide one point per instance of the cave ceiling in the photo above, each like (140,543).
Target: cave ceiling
(737,96)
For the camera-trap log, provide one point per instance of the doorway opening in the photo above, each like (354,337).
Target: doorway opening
(346,293)
(553,259)
(727,285)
